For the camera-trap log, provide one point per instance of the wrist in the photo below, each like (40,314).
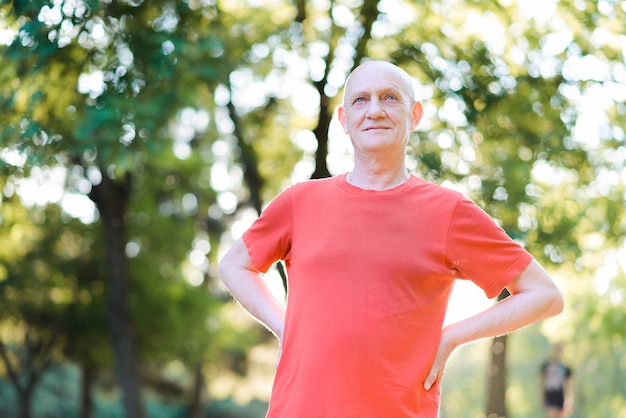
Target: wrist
(450,338)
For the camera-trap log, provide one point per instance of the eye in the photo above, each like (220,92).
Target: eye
(359,100)
(390,97)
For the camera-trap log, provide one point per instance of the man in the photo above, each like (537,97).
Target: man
(555,382)
(372,256)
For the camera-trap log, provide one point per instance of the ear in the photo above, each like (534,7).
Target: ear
(341,115)
(418,111)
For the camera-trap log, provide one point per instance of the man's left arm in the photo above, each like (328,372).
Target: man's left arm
(534,296)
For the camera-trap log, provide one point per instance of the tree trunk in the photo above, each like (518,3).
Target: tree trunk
(249,159)
(24,402)
(25,394)
(496,400)
(112,199)
(24,387)
(321,131)
(86,403)
(367,16)
(497,376)
(196,408)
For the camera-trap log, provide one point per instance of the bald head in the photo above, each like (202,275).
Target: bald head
(371,71)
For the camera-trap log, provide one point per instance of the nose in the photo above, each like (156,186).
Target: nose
(375,109)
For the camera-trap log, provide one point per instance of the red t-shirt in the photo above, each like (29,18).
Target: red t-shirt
(370,274)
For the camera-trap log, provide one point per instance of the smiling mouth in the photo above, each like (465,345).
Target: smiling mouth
(376,128)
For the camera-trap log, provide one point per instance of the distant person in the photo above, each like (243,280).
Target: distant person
(372,256)
(555,382)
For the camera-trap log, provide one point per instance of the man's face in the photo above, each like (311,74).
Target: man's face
(379,111)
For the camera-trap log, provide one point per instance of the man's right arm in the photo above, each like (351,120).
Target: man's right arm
(249,288)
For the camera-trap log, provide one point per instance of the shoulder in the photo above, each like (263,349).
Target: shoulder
(436,189)
(314,186)
(302,193)
(306,186)
(316,183)
(439,195)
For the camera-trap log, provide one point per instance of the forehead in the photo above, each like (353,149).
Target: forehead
(378,77)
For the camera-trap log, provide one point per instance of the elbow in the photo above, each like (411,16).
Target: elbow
(555,302)
(222,270)
(234,265)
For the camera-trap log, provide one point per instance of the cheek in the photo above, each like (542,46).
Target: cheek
(400,119)
(353,121)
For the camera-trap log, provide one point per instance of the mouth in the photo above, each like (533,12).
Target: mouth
(375,128)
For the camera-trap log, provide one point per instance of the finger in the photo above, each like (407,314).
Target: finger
(430,379)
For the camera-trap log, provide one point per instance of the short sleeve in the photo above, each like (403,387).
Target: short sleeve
(479,250)
(269,238)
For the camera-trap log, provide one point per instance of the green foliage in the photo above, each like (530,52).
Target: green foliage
(504,95)
(96,87)
(59,393)
(51,289)
(228,409)
(135,71)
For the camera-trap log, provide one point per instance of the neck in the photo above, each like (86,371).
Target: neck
(377,179)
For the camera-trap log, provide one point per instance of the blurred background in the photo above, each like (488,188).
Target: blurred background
(139,138)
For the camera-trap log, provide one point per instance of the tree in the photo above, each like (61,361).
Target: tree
(121,61)
(136,72)
(504,92)
(45,265)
